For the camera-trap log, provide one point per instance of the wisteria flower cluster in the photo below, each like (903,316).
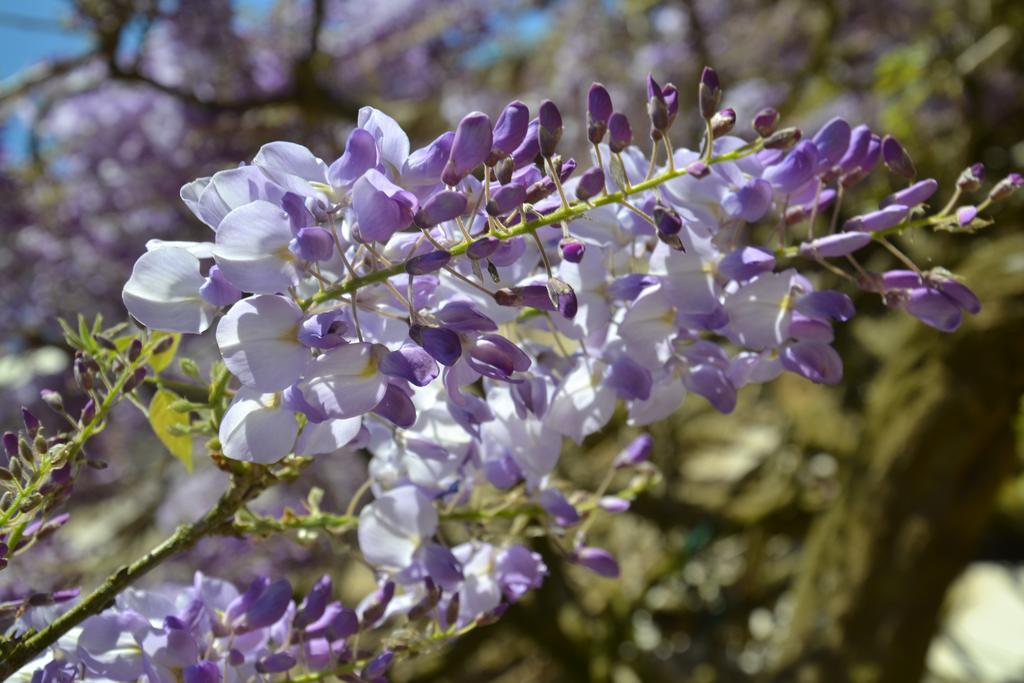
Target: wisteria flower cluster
(458,310)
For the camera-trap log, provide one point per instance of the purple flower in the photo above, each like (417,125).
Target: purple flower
(883,219)
(470,148)
(519,571)
(839,244)
(392,528)
(382,208)
(549,130)
(442,206)
(918,193)
(638,451)
(832,141)
(360,156)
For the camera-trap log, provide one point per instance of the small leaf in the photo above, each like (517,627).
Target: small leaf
(161,360)
(164,420)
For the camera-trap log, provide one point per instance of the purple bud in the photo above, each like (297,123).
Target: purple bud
(613,504)
(509,131)
(528,150)
(897,159)
(765,121)
(496,357)
(425,165)
(344,624)
(710,93)
(599,108)
(657,108)
(882,219)
(430,262)
(88,412)
(840,244)
(32,424)
(11,444)
(667,220)
(482,248)
(379,605)
(440,207)
(572,249)
(315,603)
(597,560)
(966,214)
(638,451)
(563,296)
(378,665)
(723,122)
(506,198)
(1005,187)
(324,330)
(620,135)
(832,141)
(856,151)
(279,662)
(556,505)
(443,345)
(918,193)
(463,316)
(470,148)
(971,177)
(204,671)
(312,244)
(671,95)
(550,130)
(591,183)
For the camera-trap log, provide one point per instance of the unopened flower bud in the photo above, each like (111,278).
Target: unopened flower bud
(312,244)
(597,560)
(599,109)
(451,612)
(671,95)
(25,451)
(88,412)
(509,131)
(134,349)
(620,135)
(31,421)
(163,346)
(783,139)
(549,132)
(591,183)
(765,121)
(638,451)
(427,263)
(135,381)
(657,108)
(1005,187)
(52,399)
(722,122)
(440,207)
(971,177)
(710,93)
(470,147)
(10,440)
(482,248)
(896,158)
(572,249)
(667,220)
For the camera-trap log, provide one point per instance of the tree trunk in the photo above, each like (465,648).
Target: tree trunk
(938,443)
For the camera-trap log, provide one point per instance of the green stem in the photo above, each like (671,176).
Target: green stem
(566,213)
(243,487)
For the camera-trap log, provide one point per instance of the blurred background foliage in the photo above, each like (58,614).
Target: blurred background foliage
(813,535)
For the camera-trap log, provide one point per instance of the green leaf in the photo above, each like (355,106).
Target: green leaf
(164,419)
(160,361)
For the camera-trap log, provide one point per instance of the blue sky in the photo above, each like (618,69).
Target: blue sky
(31,32)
